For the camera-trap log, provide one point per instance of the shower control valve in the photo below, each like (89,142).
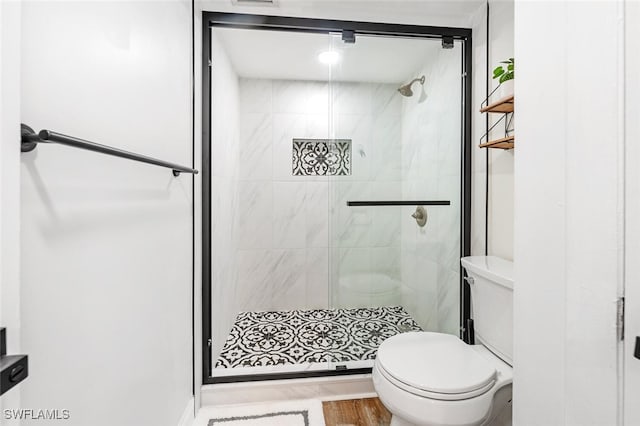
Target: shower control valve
(420,215)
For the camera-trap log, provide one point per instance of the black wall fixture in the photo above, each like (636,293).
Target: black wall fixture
(349,36)
(13,368)
(350,30)
(30,139)
(447,42)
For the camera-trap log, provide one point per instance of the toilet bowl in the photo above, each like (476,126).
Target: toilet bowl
(435,379)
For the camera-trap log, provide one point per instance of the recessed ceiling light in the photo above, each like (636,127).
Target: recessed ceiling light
(329,57)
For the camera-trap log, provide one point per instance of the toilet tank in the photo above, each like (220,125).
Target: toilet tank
(491,286)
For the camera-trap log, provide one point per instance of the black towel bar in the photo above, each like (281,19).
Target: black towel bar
(30,139)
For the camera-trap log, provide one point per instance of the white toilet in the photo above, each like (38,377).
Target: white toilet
(436,379)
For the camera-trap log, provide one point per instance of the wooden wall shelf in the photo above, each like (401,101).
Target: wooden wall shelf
(504,143)
(502,106)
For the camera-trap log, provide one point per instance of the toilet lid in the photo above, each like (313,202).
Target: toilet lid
(436,363)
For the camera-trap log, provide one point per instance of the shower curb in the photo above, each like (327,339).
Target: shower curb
(322,388)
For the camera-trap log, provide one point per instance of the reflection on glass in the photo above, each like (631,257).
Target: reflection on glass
(301,124)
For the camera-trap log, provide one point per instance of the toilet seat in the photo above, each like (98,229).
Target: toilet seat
(434,395)
(435,365)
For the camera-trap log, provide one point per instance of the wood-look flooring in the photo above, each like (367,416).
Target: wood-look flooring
(356,412)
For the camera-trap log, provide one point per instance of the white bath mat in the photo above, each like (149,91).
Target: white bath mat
(282,413)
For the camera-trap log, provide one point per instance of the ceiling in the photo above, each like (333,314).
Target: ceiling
(294,56)
(444,13)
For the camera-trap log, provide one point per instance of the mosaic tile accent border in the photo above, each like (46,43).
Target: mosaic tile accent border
(259,339)
(321,157)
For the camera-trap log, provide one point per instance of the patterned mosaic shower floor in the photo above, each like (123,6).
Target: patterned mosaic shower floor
(260,339)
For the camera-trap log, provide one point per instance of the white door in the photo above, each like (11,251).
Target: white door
(631,375)
(10,187)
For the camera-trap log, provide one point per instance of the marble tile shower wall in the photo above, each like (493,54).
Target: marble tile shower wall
(281,218)
(431,133)
(284,224)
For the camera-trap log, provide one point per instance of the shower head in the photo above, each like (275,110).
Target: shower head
(406,89)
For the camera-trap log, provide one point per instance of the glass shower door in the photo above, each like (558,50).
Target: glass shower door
(394,209)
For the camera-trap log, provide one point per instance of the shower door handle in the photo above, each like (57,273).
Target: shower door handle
(399,203)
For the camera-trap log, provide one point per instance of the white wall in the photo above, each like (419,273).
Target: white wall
(444,13)
(501,188)
(567,212)
(198,344)
(632,213)
(106,243)
(10,186)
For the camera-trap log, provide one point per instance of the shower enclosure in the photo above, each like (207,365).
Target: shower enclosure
(336,191)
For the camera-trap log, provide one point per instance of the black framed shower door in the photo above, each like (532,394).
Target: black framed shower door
(324,26)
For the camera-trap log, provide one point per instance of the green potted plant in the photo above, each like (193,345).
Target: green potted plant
(504,73)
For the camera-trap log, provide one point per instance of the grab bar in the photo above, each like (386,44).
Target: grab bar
(29,141)
(397,203)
